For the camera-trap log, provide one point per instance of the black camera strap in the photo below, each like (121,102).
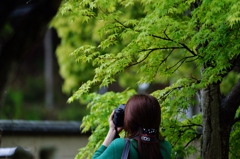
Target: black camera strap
(125,154)
(116,135)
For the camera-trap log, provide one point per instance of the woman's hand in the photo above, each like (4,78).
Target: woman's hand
(112,132)
(110,121)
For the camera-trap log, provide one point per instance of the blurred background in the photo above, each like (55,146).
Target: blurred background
(35,119)
(31,86)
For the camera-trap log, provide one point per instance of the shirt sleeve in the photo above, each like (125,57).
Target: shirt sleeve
(114,150)
(98,153)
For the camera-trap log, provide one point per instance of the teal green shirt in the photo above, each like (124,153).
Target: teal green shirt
(115,149)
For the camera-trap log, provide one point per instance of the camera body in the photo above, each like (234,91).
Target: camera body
(118,117)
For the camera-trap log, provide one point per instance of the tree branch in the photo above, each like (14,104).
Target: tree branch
(121,23)
(236,156)
(180,133)
(163,38)
(162,48)
(232,102)
(181,61)
(165,59)
(114,18)
(150,51)
(193,59)
(168,39)
(154,49)
(159,37)
(196,137)
(164,96)
(187,48)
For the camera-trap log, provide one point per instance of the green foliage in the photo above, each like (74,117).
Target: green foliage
(14,107)
(6,31)
(23,105)
(96,120)
(229,81)
(76,33)
(72,34)
(190,43)
(234,138)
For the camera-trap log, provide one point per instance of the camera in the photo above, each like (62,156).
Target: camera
(118,117)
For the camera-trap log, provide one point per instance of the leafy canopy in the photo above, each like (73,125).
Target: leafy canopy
(149,40)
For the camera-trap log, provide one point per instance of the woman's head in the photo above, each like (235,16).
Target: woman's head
(141,111)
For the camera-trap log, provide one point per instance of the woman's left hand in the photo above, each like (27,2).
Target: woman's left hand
(111,132)
(110,121)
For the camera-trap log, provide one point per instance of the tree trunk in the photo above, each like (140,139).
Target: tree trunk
(48,70)
(218,117)
(211,140)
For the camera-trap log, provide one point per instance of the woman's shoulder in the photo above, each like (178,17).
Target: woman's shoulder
(165,143)
(119,142)
(166,149)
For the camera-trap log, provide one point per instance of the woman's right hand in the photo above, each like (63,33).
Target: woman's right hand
(111,123)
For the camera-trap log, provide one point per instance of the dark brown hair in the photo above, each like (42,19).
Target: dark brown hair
(143,111)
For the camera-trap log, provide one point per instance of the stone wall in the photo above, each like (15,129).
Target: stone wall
(54,146)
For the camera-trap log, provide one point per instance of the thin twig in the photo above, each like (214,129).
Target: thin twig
(196,137)
(150,51)
(159,37)
(193,59)
(181,61)
(162,48)
(188,49)
(165,59)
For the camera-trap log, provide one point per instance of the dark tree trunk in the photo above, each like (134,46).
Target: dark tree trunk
(229,106)
(211,141)
(218,119)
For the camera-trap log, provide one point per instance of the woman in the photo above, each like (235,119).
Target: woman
(142,117)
